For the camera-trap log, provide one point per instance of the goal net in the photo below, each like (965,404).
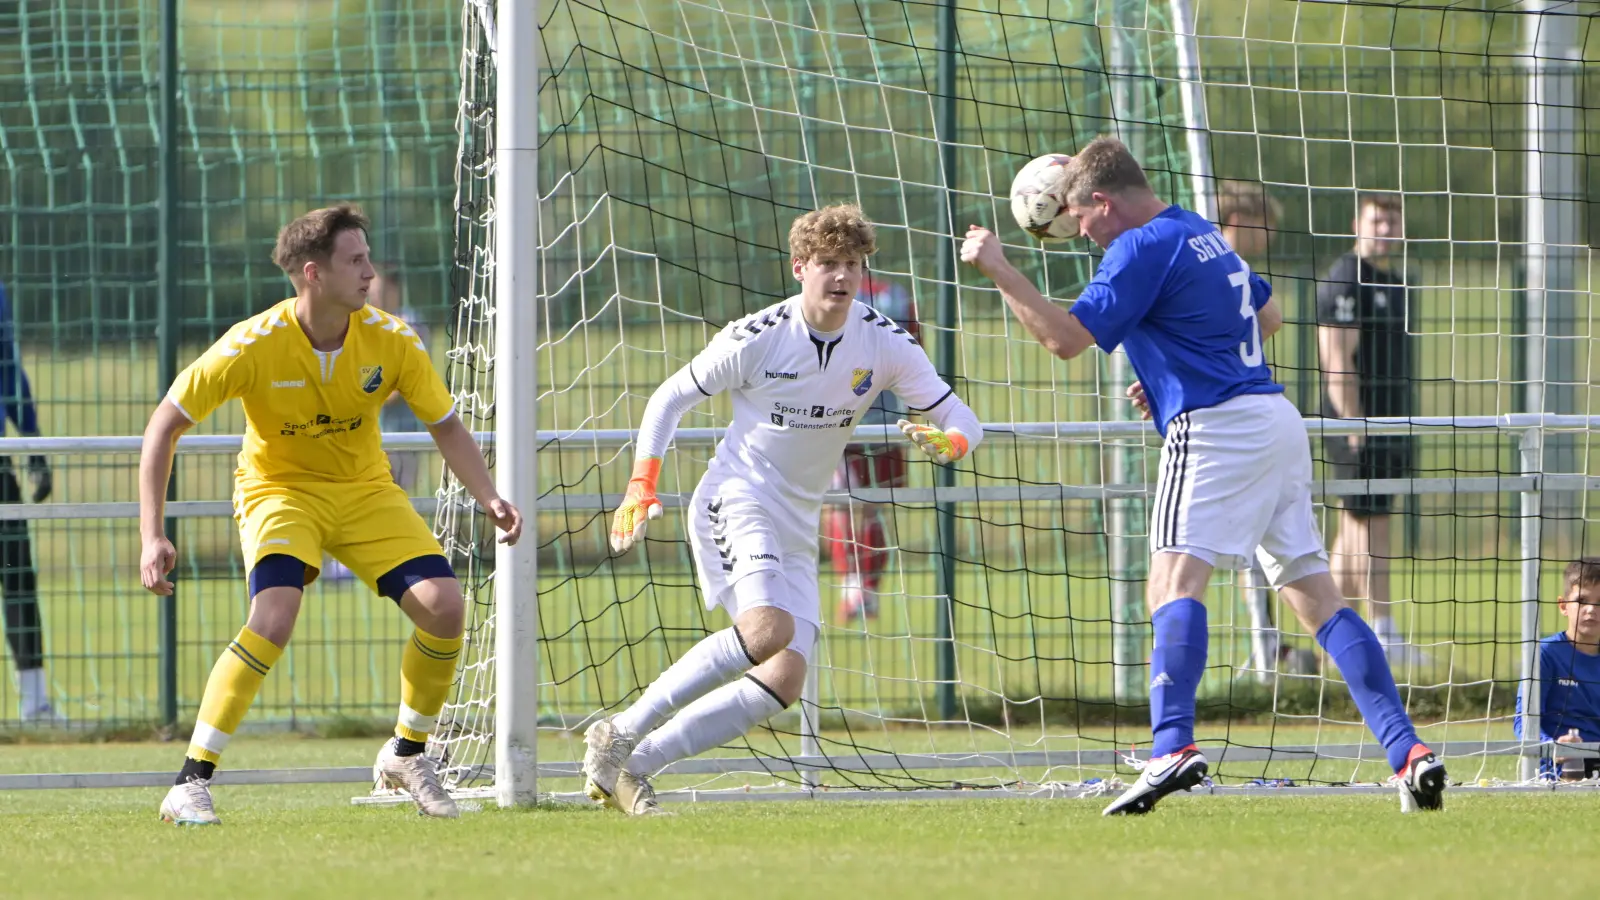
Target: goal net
(986,629)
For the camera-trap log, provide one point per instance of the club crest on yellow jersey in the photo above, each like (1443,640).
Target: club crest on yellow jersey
(861,381)
(371,378)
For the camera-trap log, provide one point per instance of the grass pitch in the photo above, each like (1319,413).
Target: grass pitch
(307,841)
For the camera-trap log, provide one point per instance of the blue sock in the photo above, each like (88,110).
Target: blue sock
(1359,656)
(1177,660)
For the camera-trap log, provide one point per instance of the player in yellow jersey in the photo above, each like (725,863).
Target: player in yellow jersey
(313,373)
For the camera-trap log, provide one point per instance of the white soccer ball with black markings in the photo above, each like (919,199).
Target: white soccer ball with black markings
(1039,199)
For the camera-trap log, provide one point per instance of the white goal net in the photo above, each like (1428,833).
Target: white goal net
(986,629)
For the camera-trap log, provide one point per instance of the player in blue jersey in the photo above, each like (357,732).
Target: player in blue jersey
(1569,670)
(1235,474)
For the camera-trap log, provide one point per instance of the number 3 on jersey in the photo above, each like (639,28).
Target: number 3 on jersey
(1250,347)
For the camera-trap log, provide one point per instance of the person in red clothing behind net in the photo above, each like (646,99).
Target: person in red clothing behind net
(857,534)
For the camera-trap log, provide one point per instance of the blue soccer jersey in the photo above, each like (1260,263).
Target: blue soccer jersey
(1183,304)
(1569,691)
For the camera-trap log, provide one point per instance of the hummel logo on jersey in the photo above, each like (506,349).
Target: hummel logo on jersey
(1162,680)
(371,378)
(1567,682)
(777,419)
(298,382)
(861,381)
(770,557)
(789,376)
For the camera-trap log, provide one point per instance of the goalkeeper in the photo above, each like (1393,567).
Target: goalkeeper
(313,373)
(801,373)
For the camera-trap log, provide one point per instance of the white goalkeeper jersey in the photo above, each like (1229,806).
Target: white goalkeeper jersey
(797,395)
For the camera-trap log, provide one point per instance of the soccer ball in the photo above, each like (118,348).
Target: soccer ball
(1039,199)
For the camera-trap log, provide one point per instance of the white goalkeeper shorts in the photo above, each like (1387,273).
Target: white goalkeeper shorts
(1235,480)
(735,532)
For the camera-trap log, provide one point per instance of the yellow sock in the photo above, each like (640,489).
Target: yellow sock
(230,690)
(427,667)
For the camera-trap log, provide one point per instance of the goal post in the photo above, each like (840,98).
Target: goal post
(515,243)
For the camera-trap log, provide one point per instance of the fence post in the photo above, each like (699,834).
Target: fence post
(167,330)
(1532,445)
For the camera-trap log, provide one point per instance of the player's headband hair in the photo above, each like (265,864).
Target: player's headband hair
(1584,571)
(310,238)
(1104,166)
(832,232)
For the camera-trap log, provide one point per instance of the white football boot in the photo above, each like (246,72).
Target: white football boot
(1422,784)
(190,804)
(635,796)
(1163,775)
(417,776)
(608,749)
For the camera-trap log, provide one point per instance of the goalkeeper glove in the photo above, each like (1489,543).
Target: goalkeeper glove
(943,446)
(639,506)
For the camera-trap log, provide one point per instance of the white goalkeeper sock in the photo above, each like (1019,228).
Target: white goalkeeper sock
(711,721)
(710,664)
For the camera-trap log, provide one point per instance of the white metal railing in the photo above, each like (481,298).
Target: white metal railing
(687,437)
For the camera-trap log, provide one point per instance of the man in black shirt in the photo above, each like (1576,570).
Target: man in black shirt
(1366,350)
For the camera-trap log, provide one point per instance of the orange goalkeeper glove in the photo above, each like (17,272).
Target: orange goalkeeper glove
(943,446)
(639,506)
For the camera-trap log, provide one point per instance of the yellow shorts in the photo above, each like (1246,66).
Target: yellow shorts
(370,527)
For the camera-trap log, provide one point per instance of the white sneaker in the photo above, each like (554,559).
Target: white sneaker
(417,776)
(1161,776)
(608,750)
(190,804)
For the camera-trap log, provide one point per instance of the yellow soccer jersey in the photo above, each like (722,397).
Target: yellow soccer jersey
(312,416)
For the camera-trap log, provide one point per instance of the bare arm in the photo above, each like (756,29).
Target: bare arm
(167,424)
(157,554)
(1056,329)
(1337,348)
(461,454)
(1270,318)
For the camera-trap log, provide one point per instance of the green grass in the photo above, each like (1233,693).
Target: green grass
(307,841)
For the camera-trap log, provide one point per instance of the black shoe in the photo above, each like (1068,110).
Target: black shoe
(1161,776)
